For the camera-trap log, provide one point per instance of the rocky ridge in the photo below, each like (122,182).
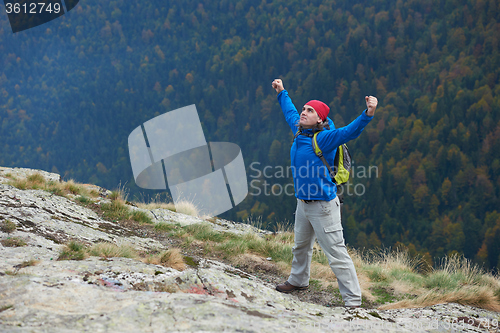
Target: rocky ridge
(122,294)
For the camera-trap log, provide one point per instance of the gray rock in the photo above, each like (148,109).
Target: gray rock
(127,295)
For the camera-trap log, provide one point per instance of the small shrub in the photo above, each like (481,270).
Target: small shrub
(8,226)
(73,251)
(13,242)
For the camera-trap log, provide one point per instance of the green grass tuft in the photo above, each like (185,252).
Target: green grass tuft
(165,227)
(314,285)
(54,188)
(115,210)
(8,226)
(73,251)
(383,295)
(36,178)
(141,217)
(204,232)
(84,200)
(232,247)
(115,195)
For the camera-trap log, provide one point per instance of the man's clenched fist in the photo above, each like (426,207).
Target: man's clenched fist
(371,105)
(278,85)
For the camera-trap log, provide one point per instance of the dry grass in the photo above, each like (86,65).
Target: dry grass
(322,272)
(254,222)
(478,296)
(285,227)
(110,250)
(156,205)
(28,263)
(36,181)
(78,251)
(71,187)
(187,207)
(184,207)
(413,284)
(171,258)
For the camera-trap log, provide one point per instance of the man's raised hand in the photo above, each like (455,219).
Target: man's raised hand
(371,105)
(278,85)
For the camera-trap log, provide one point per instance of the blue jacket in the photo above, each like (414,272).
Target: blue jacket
(310,176)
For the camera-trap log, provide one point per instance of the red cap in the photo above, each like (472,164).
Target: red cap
(321,108)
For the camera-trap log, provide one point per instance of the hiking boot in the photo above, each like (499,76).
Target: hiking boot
(288,288)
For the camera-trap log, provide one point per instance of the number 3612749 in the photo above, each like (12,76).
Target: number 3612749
(32,8)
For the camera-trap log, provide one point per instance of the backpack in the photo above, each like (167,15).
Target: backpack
(341,163)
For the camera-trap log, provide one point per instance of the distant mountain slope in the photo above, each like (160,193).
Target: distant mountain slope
(73,89)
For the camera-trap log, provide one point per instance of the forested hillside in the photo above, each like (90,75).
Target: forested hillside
(72,90)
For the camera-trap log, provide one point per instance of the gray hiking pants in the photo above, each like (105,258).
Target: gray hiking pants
(321,220)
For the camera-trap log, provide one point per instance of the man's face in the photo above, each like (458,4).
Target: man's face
(309,117)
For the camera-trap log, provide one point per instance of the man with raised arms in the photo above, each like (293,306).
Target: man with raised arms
(318,207)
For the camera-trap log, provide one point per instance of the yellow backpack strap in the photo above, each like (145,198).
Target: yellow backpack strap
(316,148)
(319,153)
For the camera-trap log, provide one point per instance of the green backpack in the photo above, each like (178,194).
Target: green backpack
(341,163)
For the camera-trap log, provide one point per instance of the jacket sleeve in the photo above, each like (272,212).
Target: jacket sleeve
(330,140)
(289,111)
